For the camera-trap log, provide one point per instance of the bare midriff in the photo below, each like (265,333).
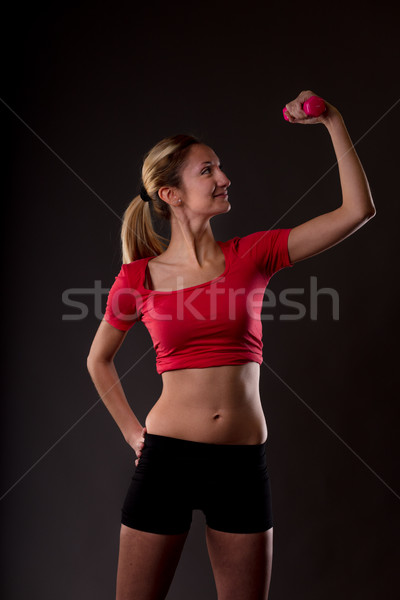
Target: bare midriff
(216,405)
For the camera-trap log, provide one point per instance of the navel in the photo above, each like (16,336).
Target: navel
(215,417)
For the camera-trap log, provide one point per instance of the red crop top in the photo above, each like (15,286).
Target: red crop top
(214,323)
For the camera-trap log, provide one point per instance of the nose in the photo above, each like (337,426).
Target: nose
(223,180)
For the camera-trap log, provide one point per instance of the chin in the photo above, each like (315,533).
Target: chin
(227,208)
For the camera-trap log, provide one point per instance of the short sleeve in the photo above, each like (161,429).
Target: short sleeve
(121,310)
(268,249)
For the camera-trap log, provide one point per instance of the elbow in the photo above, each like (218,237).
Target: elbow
(371,210)
(359,211)
(93,361)
(359,217)
(367,215)
(370,214)
(89,363)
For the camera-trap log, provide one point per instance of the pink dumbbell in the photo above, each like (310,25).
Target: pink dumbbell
(313,107)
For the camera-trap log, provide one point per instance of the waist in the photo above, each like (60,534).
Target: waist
(219,405)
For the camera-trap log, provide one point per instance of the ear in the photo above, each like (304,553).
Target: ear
(168,194)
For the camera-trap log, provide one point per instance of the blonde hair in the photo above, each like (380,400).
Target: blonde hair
(162,166)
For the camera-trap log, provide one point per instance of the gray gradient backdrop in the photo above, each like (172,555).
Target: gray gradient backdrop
(86,90)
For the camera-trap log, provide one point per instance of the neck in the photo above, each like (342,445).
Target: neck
(191,243)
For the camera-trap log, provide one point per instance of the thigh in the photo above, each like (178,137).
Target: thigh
(146,563)
(241,563)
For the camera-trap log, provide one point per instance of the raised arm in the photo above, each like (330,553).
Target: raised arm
(326,230)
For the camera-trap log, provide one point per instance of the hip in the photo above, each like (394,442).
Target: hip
(181,465)
(229,483)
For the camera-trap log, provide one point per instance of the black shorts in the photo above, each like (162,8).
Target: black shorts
(229,483)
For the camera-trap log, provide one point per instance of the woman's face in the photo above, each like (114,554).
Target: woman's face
(204,182)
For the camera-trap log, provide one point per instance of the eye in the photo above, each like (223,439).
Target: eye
(208,169)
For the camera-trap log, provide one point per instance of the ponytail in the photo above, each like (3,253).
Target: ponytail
(138,237)
(162,166)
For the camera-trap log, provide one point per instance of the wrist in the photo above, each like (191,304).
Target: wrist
(333,117)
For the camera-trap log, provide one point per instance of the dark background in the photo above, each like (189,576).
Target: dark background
(86,90)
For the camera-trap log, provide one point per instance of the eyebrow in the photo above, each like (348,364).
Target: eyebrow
(208,162)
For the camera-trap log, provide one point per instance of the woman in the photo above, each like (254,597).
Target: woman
(204,441)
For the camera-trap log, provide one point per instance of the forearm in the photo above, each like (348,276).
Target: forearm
(356,194)
(108,385)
